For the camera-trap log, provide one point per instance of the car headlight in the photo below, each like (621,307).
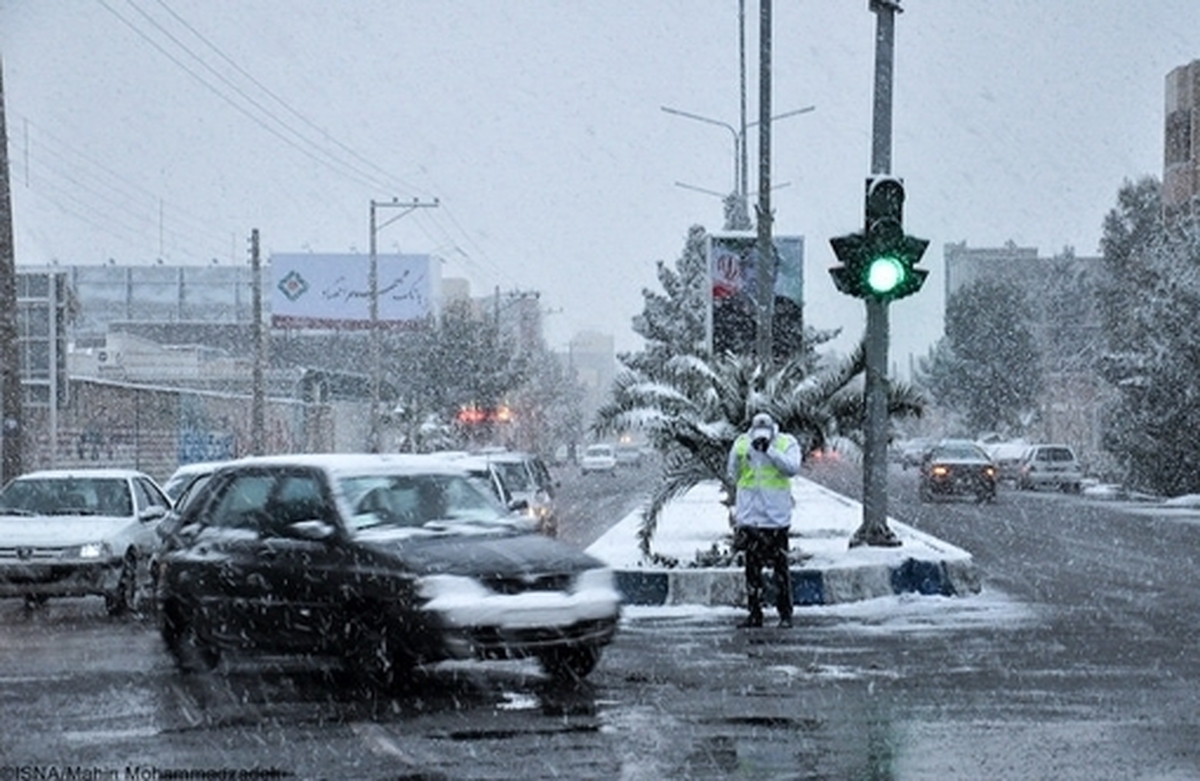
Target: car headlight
(600,579)
(91,550)
(455,587)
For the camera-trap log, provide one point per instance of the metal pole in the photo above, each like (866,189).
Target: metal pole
(766,251)
(55,379)
(376,349)
(743,168)
(874,529)
(11,412)
(374,436)
(258,400)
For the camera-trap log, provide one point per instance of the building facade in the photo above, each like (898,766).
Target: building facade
(1181,136)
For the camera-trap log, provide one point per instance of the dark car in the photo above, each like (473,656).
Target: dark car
(384,561)
(957,469)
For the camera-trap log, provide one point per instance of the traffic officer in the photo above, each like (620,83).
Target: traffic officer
(761,463)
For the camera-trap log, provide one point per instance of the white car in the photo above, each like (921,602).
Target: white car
(1053,466)
(599,458)
(74,533)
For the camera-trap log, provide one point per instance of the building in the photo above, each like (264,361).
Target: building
(592,355)
(1181,136)
(181,341)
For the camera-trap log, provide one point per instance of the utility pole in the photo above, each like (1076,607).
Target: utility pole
(874,529)
(11,428)
(766,249)
(258,403)
(374,435)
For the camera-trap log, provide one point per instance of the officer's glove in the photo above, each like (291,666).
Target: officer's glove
(760,444)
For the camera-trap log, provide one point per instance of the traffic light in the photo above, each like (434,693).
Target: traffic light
(879,262)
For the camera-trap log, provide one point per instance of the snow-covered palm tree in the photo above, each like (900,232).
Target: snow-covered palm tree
(692,409)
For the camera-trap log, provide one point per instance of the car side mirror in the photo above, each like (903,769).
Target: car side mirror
(155,513)
(314,530)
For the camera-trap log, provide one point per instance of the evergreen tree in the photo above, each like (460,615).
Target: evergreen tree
(675,322)
(439,370)
(986,367)
(1151,306)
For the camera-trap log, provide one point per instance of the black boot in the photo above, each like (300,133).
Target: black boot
(755,619)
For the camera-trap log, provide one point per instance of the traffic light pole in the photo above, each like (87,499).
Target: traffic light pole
(874,529)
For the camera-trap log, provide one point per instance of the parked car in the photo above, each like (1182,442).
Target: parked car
(957,468)
(525,478)
(598,458)
(384,561)
(1052,466)
(80,532)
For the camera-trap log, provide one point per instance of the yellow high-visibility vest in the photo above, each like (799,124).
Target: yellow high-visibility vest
(765,475)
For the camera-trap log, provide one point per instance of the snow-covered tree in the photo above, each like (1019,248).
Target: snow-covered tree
(987,367)
(1151,308)
(675,321)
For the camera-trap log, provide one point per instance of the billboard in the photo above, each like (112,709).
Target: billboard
(334,291)
(733,306)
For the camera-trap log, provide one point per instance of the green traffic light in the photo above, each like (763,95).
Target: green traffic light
(884,274)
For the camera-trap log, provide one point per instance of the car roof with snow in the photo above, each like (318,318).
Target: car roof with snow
(87,472)
(361,463)
(1006,450)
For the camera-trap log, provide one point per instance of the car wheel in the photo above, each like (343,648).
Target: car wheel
(122,599)
(570,664)
(188,649)
(373,655)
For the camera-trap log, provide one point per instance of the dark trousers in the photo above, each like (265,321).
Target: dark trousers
(767,547)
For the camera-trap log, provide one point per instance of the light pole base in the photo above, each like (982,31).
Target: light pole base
(875,537)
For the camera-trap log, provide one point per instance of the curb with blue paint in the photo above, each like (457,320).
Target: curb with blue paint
(726,586)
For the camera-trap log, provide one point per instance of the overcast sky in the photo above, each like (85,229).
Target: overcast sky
(140,129)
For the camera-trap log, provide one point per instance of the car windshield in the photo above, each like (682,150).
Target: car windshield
(515,476)
(958,453)
(600,451)
(68,496)
(1055,454)
(429,500)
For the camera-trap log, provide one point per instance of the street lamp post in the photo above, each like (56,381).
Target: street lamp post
(406,207)
(740,185)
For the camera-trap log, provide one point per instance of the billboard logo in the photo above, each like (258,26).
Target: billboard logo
(293,285)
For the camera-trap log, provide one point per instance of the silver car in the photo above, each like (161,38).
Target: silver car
(1053,466)
(81,532)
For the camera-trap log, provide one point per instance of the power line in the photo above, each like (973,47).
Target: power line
(320,155)
(284,104)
